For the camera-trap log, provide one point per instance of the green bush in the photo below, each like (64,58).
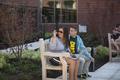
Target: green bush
(28,68)
(25,77)
(10,70)
(11,65)
(30,54)
(2,61)
(48,35)
(3,77)
(101,51)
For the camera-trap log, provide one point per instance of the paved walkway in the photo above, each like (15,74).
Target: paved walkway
(110,71)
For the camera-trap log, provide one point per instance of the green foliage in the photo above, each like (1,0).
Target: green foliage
(25,77)
(10,70)
(28,68)
(48,35)
(101,51)
(30,54)
(3,77)
(2,61)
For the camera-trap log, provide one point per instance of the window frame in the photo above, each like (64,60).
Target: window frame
(54,21)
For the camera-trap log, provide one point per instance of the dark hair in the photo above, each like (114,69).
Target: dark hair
(115,36)
(66,35)
(117,25)
(74,27)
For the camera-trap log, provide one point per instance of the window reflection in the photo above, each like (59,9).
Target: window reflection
(59,11)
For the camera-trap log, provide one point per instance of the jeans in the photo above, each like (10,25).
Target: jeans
(84,64)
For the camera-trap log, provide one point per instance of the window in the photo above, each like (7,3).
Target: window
(59,11)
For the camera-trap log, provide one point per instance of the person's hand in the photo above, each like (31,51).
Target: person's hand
(54,33)
(92,59)
(53,38)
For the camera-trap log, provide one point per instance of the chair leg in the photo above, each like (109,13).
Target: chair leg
(64,68)
(44,74)
(110,56)
(64,72)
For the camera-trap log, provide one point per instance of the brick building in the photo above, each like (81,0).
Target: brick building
(99,15)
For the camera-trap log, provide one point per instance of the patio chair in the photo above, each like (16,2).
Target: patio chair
(47,66)
(112,47)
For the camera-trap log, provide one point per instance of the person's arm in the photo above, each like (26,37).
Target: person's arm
(115,44)
(53,44)
(53,41)
(80,43)
(82,48)
(53,38)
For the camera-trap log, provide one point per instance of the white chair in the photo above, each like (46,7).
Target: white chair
(47,66)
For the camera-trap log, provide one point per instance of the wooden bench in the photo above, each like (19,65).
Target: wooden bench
(47,66)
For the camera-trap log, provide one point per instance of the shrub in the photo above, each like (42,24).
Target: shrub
(48,35)
(25,77)
(3,77)
(30,54)
(2,61)
(28,68)
(101,51)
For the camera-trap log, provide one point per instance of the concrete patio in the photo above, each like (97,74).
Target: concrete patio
(110,71)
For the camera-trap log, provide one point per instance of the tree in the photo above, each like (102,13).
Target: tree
(17,25)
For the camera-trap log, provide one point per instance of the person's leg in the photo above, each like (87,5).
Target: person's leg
(76,69)
(86,67)
(80,69)
(71,64)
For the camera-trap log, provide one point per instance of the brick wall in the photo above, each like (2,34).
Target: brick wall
(99,15)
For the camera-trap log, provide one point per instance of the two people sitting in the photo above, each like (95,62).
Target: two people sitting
(79,62)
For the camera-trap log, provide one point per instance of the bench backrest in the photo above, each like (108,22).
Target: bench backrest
(42,45)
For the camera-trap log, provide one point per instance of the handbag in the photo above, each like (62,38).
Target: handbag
(55,61)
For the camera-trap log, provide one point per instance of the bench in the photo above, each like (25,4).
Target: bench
(47,66)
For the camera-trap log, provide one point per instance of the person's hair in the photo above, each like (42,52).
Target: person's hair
(65,35)
(117,25)
(74,27)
